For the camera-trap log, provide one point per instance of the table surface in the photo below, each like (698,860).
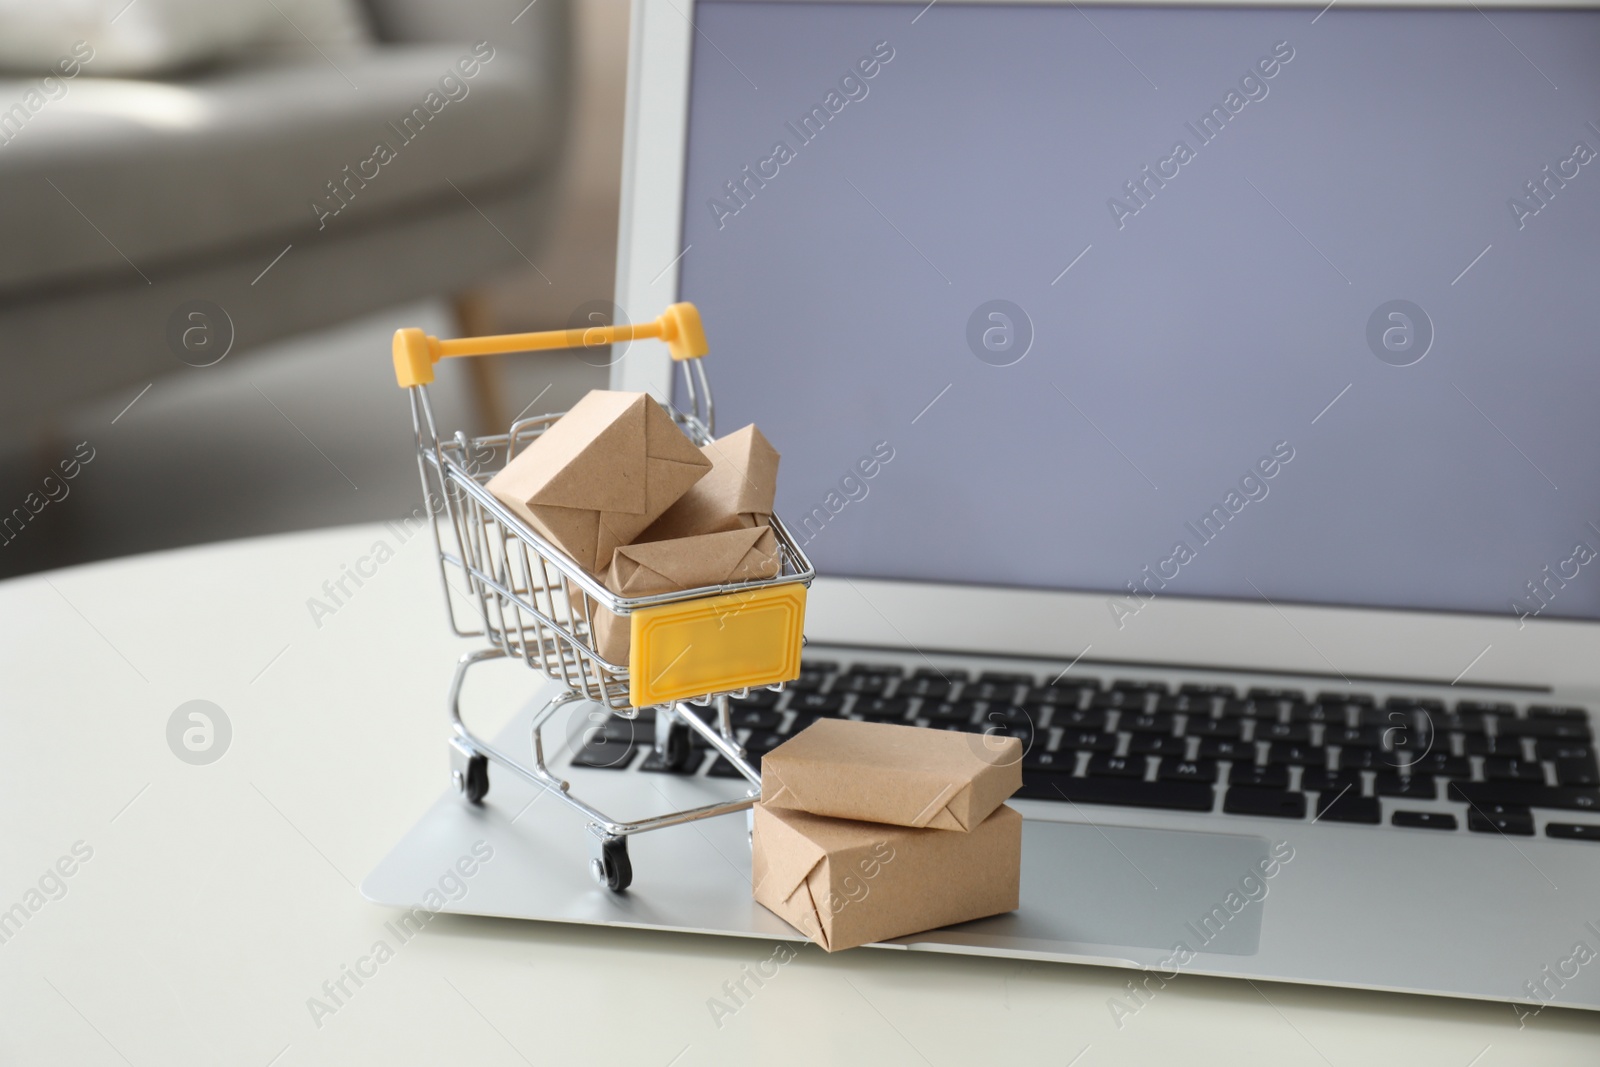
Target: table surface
(216,900)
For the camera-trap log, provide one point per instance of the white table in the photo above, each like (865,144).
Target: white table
(219,898)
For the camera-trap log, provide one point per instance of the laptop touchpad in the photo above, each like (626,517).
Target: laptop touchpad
(1116,885)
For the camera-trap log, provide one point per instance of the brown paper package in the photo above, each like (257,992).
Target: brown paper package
(601,474)
(902,775)
(737,494)
(669,566)
(844,883)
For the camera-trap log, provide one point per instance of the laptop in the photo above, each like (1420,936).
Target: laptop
(1202,394)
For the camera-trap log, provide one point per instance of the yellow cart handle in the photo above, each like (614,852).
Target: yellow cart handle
(415,352)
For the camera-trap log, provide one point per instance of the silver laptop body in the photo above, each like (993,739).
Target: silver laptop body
(1247,481)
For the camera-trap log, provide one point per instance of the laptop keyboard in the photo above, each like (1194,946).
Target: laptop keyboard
(1333,756)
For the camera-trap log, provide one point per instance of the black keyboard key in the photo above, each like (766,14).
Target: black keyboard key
(756,698)
(800,722)
(1272,803)
(1180,770)
(1443,765)
(655,765)
(819,666)
(1506,769)
(1117,699)
(880,709)
(1410,786)
(940,712)
(1250,709)
(1364,759)
(1480,708)
(696,739)
(1145,723)
(1007,678)
(1510,747)
(1156,745)
(1321,780)
(1298,733)
(1037,759)
(605,755)
(755,718)
(816,703)
(1519,824)
(1499,808)
(1527,794)
(866,684)
(1259,777)
(1283,752)
(1577,772)
(808,682)
(1206,689)
(1340,696)
(1558,750)
(1071,696)
(1088,741)
(1070,679)
(927,688)
(1010,715)
(1269,693)
(1427,704)
(1456,722)
(1200,726)
(1546,711)
(1174,796)
(1128,685)
(1184,704)
(953,674)
(1327,714)
(1227,748)
(1379,719)
(1078,719)
(1353,736)
(1425,820)
(876,670)
(1405,742)
(1547,729)
(621,731)
(1104,766)
(723,769)
(1004,692)
(763,741)
(1573,831)
(1350,806)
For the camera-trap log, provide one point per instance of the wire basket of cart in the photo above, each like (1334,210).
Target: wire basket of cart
(531,601)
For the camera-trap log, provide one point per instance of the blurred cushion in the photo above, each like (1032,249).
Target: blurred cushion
(143,37)
(161,171)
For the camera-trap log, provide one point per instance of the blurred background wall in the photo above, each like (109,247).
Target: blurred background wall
(308,429)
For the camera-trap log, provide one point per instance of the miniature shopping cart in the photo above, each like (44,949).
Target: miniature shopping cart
(700,646)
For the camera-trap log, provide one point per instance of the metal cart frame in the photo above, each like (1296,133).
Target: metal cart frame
(523,587)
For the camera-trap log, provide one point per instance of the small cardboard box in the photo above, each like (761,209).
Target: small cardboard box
(601,474)
(844,883)
(668,566)
(737,494)
(902,775)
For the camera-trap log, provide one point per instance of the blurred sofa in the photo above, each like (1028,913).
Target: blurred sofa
(260,186)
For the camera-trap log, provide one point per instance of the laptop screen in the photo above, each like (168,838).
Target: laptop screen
(1226,302)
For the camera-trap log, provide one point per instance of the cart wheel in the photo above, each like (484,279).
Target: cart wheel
(679,749)
(477,784)
(612,870)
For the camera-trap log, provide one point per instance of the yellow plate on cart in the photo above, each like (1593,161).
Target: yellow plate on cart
(732,641)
